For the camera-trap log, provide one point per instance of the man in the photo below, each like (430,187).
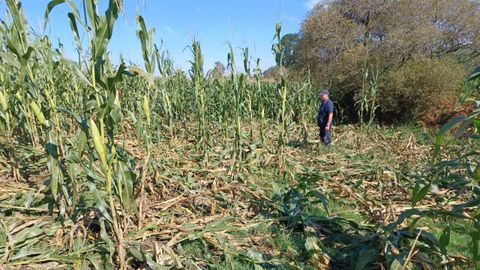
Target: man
(325,118)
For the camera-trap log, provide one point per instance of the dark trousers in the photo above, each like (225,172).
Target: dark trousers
(326,136)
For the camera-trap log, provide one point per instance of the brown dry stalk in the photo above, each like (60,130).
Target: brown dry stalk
(142,191)
(412,251)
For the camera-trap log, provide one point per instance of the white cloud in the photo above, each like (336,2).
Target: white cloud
(287,17)
(169,29)
(311,3)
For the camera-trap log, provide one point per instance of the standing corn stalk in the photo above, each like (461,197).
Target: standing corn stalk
(165,66)
(367,103)
(108,112)
(302,108)
(18,56)
(259,96)
(149,55)
(196,73)
(148,145)
(279,50)
(5,112)
(237,107)
(374,87)
(59,192)
(308,105)
(248,92)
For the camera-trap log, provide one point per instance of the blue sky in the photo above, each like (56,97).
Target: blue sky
(244,23)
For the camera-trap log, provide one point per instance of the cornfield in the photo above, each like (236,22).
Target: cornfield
(123,167)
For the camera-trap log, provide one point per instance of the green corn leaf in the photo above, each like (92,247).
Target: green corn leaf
(104,29)
(76,70)
(27,235)
(475,74)
(90,6)
(439,140)
(146,38)
(476,245)
(95,260)
(26,56)
(98,142)
(445,239)
(81,143)
(74,28)
(364,259)
(20,23)
(137,254)
(396,265)
(112,81)
(125,178)
(10,59)
(146,109)
(52,4)
(3,101)
(106,238)
(419,192)
(38,113)
(311,244)
(100,202)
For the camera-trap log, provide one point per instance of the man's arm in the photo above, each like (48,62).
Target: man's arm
(330,115)
(329,122)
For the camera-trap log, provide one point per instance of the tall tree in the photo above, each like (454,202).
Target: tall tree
(290,43)
(338,36)
(218,70)
(341,39)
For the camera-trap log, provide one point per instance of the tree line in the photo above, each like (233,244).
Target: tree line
(396,61)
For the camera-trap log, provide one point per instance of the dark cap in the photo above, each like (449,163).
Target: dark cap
(324,92)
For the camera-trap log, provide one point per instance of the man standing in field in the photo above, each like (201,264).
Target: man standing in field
(325,118)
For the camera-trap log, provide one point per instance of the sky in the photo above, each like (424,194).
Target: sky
(214,23)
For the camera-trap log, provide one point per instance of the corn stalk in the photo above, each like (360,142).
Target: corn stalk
(367,104)
(197,76)
(279,50)
(261,106)
(237,107)
(108,113)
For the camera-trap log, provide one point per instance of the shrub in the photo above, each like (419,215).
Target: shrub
(424,91)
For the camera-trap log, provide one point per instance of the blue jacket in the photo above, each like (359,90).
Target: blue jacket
(323,111)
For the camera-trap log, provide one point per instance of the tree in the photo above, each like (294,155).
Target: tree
(218,70)
(273,73)
(290,43)
(340,39)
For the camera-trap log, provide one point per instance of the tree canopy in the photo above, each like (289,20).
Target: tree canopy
(340,38)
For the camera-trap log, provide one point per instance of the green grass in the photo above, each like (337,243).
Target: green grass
(460,240)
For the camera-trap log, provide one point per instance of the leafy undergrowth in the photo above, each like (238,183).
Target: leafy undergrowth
(334,208)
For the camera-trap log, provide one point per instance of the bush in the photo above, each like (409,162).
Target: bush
(424,91)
